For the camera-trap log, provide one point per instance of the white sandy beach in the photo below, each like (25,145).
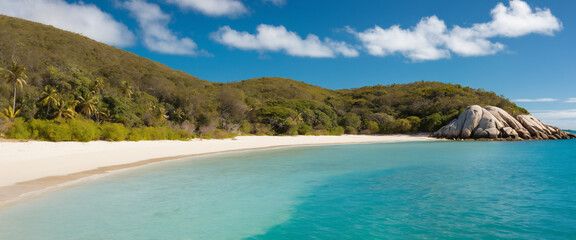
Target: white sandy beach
(33,161)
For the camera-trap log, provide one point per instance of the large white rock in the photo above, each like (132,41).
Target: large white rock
(509,121)
(470,119)
(451,130)
(488,126)
(509,132)
(493,122)
(536,128)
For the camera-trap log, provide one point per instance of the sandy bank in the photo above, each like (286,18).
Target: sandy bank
(31,166)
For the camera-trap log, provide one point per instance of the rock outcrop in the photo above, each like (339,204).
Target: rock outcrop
(494,123)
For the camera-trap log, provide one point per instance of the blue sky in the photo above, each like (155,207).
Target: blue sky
(522,49)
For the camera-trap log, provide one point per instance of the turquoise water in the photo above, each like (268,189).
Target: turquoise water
(420,190)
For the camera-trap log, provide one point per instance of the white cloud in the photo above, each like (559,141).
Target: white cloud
(430,39)
(419,43)
(85,19)
(565,118)
(571,100)
(277,38)
(467,43)
(341,48)
(276,2)
(518,20)
(536,100)
(157,36)
(215,8)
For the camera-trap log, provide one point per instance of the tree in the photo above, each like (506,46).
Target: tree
(351,122)
(178,115)
(103,115)
(15,75)
(431,123)
(49,96)
(9,113)
(414,122)
(98,85)
(232,107)
(160,112)
(384,121)
(401,126)
(280,118)
(65,109)
(87,104)
(127,89)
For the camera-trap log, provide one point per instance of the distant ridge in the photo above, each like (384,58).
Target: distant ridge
(121,87)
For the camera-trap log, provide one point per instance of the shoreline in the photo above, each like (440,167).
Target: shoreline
(32,169)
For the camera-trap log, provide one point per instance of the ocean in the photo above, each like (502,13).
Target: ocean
(411,190)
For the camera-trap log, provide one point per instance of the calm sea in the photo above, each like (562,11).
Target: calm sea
(418,190)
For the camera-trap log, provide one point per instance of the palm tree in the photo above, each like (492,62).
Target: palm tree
(158,110)
(88,103)
(98,85)
(49,96)
(161,112)
(15,75)
(178,115)
(9,113)
(65,109)
(127,89)
(103,115)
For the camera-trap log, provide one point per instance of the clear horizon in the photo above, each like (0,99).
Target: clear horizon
(521,49)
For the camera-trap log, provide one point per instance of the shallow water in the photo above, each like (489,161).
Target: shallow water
(421,190)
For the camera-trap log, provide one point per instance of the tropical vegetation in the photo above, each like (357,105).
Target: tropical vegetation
(60,86)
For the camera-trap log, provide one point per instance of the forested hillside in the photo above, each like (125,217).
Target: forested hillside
(64,80)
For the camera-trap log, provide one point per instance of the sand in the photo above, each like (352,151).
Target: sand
(28,168)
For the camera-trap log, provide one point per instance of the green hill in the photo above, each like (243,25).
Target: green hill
(73,77)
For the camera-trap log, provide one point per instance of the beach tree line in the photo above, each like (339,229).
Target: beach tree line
(80,107)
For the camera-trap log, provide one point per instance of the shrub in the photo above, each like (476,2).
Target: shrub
(219,134)
(320,132)
(52,130)
(431,123)
(87,130)
(245,127)
(303,129)
(351,122)
(262,129)
(414,122)
(401,126)
(350,130)
(152,133)
(83,130)
(184,135)
(19,130)
(371,127)
(337,131)
(55,130)
(136,134)
(113,131)
(158,133)
(4,127)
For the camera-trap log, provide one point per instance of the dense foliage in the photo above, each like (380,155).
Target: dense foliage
(86,130)
(71,82)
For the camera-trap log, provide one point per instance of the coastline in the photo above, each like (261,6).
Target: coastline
(33,168)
